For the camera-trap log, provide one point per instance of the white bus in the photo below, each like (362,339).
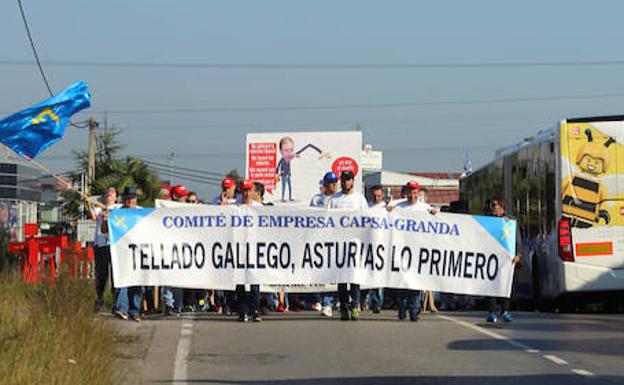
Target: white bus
(566,188)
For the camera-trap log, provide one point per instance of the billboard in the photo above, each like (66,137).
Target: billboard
(592,159)
(290,165)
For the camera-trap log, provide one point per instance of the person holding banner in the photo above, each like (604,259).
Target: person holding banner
(174,296)
(377,202)
(101,248)
(500,306)
(179,193)
(409,300)
(330,186)
(348,199)
(321,200)
(129,298)
(228,192)
(248,303)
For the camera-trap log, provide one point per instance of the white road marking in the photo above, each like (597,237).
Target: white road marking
(488,333)
(555,359)
(180,365)
(521,346)
(583,372)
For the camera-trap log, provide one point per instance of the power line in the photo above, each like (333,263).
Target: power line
(32,45)
(38,62)
(319,66)
(218,174)
(177,172)
(189,178)
(364,105)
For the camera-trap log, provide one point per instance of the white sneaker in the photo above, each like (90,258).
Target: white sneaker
(317,306)
(327,311)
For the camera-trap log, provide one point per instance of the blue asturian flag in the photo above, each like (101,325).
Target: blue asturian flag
(34,129)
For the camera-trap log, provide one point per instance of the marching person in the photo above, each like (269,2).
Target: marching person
(348,199)
(330,186)
(129,298)
(179,193)
(248,303)
(101,248)
(500,306)
(409,300)
(174,296)
(377,198)
(321,200)
(377,203)
(228,192)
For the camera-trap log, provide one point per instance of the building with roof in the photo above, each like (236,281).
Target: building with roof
(442,187)
(20,193)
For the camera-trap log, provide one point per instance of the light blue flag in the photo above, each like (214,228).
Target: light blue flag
(34,129)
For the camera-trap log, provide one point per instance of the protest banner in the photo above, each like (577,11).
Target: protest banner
(291,164)
(220,246)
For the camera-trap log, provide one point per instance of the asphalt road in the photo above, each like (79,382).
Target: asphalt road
(305,349)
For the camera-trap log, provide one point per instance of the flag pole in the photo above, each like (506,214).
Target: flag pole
(64,182)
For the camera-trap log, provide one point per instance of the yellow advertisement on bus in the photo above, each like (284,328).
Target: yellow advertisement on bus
(592,169)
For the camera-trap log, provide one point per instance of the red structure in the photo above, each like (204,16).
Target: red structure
(41,257)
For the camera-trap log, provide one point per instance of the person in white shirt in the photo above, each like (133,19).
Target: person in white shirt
(330,186)
(101,247)
(375,295)
(409,300)
(248,305)
(348,199)
(377,195)
(321,200)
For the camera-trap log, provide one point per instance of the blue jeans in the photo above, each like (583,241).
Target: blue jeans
(343,296)
(376,298)
(129,300)
(325,299)
(409,300)
(174,298)
(286,182)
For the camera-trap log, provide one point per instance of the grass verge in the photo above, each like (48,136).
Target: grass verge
(49,334)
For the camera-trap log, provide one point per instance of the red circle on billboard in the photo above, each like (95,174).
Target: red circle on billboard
(344,163)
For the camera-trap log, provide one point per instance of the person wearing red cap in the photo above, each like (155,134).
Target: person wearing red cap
(409,300)
(174,296)
(248,303)
(179,193)
(228,192)
(413,193)
(348,199)
(165,192)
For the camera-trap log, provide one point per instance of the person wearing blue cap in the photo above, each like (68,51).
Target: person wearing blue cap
(330,186)
(320,200)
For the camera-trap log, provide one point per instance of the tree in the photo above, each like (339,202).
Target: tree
(235,175)
(110,170)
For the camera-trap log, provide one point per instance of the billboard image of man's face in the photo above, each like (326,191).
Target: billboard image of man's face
(287,149)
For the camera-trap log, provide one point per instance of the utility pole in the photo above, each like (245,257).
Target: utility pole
(91,155)
(171,157)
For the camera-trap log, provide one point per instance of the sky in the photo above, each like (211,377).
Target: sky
(423,118)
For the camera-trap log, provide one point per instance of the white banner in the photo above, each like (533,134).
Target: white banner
(220,246)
